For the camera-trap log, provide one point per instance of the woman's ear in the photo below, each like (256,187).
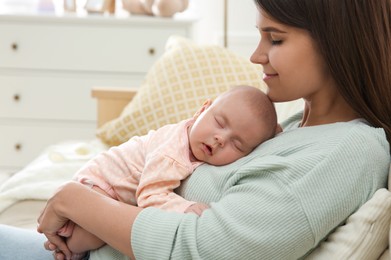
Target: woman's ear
(205,106)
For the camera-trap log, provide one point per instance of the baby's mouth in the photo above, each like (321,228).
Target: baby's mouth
(208,149)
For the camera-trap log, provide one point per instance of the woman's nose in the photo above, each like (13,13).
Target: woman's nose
(259,55)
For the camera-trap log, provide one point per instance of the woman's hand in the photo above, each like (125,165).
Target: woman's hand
(51,220)
(57,254)
(80,204)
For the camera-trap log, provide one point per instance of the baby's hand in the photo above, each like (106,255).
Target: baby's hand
(278,129)
(197,208)
(67,229)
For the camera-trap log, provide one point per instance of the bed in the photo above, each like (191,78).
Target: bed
(174,86)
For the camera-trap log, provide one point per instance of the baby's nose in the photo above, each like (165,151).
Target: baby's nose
(220,140)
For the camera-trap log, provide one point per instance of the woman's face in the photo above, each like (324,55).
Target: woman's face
(292,66)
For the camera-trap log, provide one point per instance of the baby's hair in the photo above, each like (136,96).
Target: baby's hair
(261,106)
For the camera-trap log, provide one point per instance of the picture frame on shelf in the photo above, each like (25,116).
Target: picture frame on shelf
(100,6)
(70,5)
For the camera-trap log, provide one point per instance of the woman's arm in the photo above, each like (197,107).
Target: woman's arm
(82,205)
(80,240)
(275,206)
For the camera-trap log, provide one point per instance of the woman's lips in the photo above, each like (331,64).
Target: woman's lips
(267,76)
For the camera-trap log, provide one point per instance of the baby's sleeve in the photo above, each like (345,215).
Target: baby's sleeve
(116,171)
(160,177)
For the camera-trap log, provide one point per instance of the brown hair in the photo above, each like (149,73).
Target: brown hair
(354,38)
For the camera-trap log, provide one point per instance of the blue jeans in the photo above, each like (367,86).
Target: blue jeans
(22,244)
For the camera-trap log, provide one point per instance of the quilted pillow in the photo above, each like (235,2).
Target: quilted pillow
(365,234)
(177,85)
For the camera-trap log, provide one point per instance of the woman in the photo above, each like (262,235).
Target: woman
(280,201)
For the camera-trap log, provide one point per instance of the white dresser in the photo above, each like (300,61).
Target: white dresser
(48,64)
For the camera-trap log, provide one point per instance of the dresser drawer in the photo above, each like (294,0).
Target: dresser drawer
(52,97)
(72,47)
(49,63)
(20,144)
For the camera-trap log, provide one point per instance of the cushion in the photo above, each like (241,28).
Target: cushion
(365,234)
(385,255)
(177,85)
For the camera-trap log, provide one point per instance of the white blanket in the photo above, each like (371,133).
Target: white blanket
(56,165)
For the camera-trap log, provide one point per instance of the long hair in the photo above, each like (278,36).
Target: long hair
(354,38)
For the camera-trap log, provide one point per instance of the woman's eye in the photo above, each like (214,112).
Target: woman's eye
(276,42)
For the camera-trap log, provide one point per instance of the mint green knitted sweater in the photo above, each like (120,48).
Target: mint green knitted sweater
(279,202)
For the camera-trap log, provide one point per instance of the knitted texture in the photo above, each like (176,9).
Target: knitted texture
(279,202)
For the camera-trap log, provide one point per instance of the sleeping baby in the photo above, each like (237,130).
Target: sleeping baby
(145,170)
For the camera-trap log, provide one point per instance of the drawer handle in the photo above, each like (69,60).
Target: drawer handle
(151,51)
(14,46)
(18,147)
(16,97)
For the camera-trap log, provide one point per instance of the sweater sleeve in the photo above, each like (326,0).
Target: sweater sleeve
(272,207)
(241,225)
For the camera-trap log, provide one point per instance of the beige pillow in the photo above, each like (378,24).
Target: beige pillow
(177,85)
(365,234)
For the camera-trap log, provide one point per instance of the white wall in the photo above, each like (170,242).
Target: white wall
(242,34)
(209,28)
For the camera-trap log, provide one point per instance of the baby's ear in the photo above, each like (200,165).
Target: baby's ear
(205,106)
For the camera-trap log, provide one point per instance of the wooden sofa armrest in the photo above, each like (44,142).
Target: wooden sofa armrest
(111,102)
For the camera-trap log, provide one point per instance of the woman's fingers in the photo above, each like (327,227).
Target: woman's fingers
(49,222)
(49,246)
(59,255)
(56,241)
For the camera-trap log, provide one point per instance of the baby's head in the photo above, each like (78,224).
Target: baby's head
(232,125)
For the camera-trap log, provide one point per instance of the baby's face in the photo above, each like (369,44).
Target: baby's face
(225,132)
